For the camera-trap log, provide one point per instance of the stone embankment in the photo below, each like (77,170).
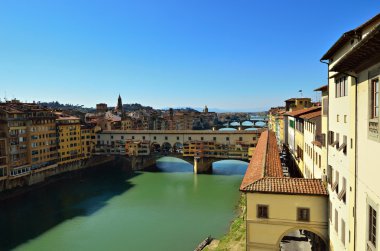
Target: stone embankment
(234,240)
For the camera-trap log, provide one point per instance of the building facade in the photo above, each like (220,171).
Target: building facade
(353,70)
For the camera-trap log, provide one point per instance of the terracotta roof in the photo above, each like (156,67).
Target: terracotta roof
(288,186)
(264,172)
(294,99)
(311,115)
(265,160)
(322,88)
(347,36)
(303,111)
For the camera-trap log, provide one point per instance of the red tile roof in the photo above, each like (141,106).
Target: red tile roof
(264,172)
(288,186)
(303,111)
(311,115)
(322,88)
(265,160)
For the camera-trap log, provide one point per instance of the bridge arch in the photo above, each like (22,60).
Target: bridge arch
(155,147)
(321,241)
(247,123)
(174,164)
(177,147)
(166,147)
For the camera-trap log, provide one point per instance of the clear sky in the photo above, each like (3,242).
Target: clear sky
(228,54)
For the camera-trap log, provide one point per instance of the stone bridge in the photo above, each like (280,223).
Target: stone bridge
(205,147)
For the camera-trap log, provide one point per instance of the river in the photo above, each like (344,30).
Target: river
(169,208)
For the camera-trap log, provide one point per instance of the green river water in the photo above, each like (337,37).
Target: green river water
(113,209)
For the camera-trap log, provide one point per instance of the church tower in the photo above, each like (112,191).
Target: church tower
(205,110)
(119,107)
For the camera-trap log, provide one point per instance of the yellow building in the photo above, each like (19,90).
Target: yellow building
(137,147)
(69,139)
(43,139)
(280,208)
(88,140)
(294,104)
(276,123)
(296,141)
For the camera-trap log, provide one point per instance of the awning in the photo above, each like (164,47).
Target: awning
(365,54)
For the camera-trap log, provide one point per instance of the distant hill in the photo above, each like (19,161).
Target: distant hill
(58,106)
(135,107)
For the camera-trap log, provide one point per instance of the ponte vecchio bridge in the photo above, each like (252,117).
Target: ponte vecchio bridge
(200,148)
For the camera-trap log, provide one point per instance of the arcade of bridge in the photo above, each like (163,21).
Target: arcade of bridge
(176,137)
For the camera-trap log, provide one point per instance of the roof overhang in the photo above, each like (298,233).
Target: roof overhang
(363,55)
(322,88)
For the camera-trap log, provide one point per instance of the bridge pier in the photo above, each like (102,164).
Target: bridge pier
(202,165)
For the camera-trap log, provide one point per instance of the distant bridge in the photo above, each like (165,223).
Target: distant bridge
(200,148)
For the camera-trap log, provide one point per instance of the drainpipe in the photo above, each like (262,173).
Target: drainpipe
(356,154)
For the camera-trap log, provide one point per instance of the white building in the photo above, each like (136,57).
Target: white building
(353,138)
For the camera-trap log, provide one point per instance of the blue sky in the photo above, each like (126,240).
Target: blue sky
(233,55)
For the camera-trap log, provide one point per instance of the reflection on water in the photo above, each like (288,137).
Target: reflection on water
(111,209)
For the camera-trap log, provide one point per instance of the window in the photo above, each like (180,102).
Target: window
(291,123)
(166,138)
(337,118)
(262,211)
(122,137)
(330,211)
(227,138)
(303,214)
(177,138)
(343,236)
(375,98)
(341,87)
(240,138)
(201,138)
(189,138)
(372,226)
(325,104)
(154,137)
(143,137)
(214,138)
(336,220)
(331,137)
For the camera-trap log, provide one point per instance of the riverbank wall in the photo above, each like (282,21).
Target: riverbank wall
(235,239)
(14,186)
